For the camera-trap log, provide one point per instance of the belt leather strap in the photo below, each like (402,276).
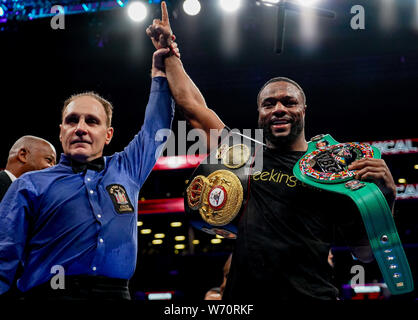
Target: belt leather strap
(324,166)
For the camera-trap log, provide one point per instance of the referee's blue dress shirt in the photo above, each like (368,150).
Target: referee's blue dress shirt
(84,222)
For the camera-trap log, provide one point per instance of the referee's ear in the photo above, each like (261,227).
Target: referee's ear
(109,135)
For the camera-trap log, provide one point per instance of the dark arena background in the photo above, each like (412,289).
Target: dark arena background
(361,85)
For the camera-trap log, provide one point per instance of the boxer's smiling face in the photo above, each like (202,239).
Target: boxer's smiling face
(83,131)
(281,112)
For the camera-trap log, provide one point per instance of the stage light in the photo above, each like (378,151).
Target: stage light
(179,238)
(402,180)
(230,5)
(416,167)
(270,3)
(157,241)
(137,11)
(307,2)
(387,14)
(121,3)
(179,246)
(195,241)
(2,11)
(146,231)
(191,7)
(139,223)
(215,241)
(175,224)
(159,235)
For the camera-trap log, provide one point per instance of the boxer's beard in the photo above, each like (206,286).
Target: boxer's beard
(282,142)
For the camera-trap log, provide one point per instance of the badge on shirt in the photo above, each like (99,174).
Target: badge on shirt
(120,198)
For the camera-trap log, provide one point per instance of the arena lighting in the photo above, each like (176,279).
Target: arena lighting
(179,246)
(146,231)
(121,3)
(139,223)
(230,5)
(159,235)
(387,14)
(160,296)
(179,238)
(216,241)
(269,3)
(415,18)
(195,241)
(416,167)
(33,9)
(307,2)
(137,11)
(175,224)
(401,180)
(157,241)
(191,7)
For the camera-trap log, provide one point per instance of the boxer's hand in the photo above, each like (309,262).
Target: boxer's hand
(377,171)
(158,66)
(160,31)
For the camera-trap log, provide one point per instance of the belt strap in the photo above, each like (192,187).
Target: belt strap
(375,212)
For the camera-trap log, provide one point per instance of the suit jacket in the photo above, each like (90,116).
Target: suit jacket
(5,183)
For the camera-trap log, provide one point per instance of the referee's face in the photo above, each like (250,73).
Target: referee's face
(83,131)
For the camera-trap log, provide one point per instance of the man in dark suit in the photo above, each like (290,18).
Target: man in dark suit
(28,153)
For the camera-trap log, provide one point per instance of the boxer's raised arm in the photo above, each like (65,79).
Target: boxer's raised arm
(185,93)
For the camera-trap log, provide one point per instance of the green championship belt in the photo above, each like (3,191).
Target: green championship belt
(324,166)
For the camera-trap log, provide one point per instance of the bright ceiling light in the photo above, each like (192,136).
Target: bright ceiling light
(137,11)
(307,2)
(146,231)
(215,241)
(179,238)
(159,235)
(270,2)
(230,5)
(157,241)
(179,246)
(402,180)
(175,224)
(191,7)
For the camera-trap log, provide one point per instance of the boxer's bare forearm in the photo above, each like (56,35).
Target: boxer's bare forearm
(189,98)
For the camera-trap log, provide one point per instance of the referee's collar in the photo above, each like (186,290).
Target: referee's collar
(97,164)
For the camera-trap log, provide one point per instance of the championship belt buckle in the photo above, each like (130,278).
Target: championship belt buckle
(325,166)
(215,193)
(218,197)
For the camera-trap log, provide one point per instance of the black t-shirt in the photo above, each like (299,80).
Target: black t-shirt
(285,234)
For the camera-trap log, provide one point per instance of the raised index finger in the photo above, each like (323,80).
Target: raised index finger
(164,13)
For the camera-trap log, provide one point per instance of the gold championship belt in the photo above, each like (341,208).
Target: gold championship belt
(217,190)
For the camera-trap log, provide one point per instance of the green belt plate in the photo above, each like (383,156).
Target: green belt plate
(324,166)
